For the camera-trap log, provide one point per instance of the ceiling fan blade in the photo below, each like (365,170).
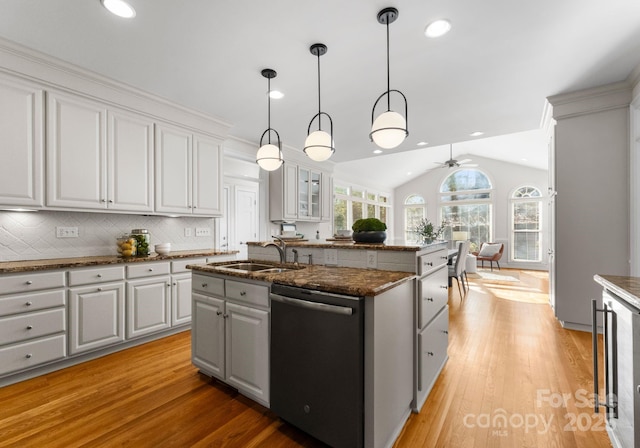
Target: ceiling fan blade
(464,161)
(470,165)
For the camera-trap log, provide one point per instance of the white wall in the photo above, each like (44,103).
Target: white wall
(505,178)
(31,236)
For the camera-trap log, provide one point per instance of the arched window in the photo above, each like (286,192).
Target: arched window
(414,212)
(466,206)
(526,231)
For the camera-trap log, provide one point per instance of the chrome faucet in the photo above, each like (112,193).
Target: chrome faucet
(295,256)
(282,248)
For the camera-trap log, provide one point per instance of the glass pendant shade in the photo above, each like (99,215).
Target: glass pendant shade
(269,157)
(389,130)
(318,146)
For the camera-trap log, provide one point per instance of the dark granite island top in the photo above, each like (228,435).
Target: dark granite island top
(337,280)
(627,288)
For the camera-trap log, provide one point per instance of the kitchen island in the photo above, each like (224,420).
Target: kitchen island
(226,302)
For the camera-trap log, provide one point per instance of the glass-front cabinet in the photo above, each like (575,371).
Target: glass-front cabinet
(309,187)
(305,187)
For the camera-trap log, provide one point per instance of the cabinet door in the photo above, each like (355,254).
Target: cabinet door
(432,351)
(21,134)
(304,186)
(290,192)
(173,170)
(148,306)
(129,162)
(96,315)
(315,186)
(326,198)
(76,152)
(180,299)
(247,356)
(433,294)
(207,340)
(207,177)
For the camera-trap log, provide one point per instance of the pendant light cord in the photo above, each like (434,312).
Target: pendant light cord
(269,108)
(319,107)
(388,70)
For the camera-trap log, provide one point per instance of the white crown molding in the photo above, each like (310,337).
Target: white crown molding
(598,99)
(26,63)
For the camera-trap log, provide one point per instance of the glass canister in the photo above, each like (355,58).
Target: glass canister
(143,239)
(127,246)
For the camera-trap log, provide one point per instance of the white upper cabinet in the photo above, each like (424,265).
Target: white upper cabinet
(97,158)
(188,173)
(21,133)
(297,193)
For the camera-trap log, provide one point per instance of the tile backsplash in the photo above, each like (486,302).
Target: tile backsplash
(30,236)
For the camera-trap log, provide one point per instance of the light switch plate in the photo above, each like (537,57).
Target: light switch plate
(372,259)
(203,231)
(67,232)
(188,231)
(331,257)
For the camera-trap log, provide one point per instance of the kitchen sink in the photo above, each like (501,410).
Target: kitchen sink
(253,267)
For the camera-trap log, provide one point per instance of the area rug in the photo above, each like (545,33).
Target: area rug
(496,276)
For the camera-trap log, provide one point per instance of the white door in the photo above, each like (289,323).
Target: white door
(96,316)
(21,133)
(76,152)
(248,332)
(148,306)
(173,170)
(207,342)
(246,217)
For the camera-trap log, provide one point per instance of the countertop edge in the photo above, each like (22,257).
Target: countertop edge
(615,283)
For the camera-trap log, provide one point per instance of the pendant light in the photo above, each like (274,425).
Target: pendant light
(390,128)
(269,156)
(319,144)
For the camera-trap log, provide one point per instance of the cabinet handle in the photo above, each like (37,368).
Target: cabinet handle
(445,331)
(104,200)
(168,284)
(430,353)
(204,285)
(28,303)
(243,293)
(29,355)
(150,269)
(29,327)
(110,201)
(429,299)
(218,313)
(29,282)
(99,289)
(444,287)
(99,275)
(225,315)
(444,257)
(428,263)
(174,283)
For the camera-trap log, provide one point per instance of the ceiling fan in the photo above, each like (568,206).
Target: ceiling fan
(451,163)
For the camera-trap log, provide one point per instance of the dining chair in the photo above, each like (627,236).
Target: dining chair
(457,268)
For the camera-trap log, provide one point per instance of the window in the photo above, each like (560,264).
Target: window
(526,206)
(414,212)
(466,206)
(351,204)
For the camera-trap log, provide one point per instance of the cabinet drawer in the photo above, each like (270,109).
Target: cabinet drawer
(432,350)
(248,293)
(30,354)
(31,325)
(430,261)
(433,295)
(179,266)
(32,302)
(95,275)
(31,282)
(206,284)
(147,269)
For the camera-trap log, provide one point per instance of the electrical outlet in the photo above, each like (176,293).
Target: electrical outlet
(67,232)
(188,231)
(372,259)
(203,231)
(331,257)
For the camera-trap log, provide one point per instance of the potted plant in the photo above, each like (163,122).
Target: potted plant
(369,230)
(427,232)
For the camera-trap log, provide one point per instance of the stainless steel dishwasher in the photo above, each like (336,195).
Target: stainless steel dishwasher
(317,363)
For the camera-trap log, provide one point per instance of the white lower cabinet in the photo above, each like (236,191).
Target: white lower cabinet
(432,351)
(96,316)
(148,306)
(180,299)
(230,340)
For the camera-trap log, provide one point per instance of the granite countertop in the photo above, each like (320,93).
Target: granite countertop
(350,244)
(60,263)
(338,280)
(627,288)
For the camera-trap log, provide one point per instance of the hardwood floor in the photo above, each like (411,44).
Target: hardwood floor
(510,366)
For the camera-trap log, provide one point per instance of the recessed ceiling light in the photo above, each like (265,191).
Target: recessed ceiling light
(423,143)
(119,8)
(377,151)
(476,134)
(437,28)
(276,94)
(409,173)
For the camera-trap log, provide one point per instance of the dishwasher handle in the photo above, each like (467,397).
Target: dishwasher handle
(336,309)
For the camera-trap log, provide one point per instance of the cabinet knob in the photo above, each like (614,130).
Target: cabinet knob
(104,200)
(29,282)
(29,327)
(28,303)
(445,331)
(99,289)
(150,269)
(29,355)
(110,201)
(204,285)
(243,293)
(218,313)
(174,283)
(225,315)
(168,284)
(99,275)
(430,353)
